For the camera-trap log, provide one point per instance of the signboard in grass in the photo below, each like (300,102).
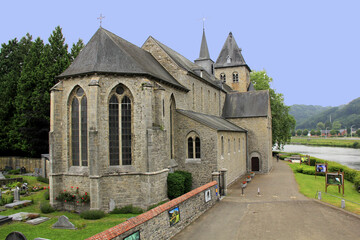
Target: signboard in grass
(321,168)
(336,179)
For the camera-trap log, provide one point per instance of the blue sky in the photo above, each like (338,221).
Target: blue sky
(310,48)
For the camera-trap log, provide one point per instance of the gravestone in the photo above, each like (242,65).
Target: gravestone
(4,219)
(22,170)
(18,203)
(19,216)
(15,236)
(63,223)
(0,194)
(38,220)
(36,171)
(2,176)
(111,205)
(16,194)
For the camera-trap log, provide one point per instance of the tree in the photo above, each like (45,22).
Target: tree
(332,132)
(318,132)
(299,132)
(76,49)
(328,124)
(282,122)
(305,132)
(312,132)
(336,125)
(12,57)
(320,126)
(358,132)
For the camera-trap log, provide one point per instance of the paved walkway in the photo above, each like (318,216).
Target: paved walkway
(280,212)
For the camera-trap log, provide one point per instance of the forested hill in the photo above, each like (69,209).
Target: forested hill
(301,113)
(347,115)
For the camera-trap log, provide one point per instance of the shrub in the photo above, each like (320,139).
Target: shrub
(188,180)
(299,169)
(47,195)
(176,185)
(42,179)
(309,171)
(45,207)
(92,214)
(127,209)
(357,182)
(356,145)
(15,171)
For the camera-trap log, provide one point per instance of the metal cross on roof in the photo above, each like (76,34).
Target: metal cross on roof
(203,22)
(101,18)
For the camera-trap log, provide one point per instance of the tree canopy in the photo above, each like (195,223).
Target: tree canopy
(27,72)
(282,122)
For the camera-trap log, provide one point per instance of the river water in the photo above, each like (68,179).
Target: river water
(347,156)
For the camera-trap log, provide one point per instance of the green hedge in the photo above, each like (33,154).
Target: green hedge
(127,209)
(188,180)
(176,185)
(350,174)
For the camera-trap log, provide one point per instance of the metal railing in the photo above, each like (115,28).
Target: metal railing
(318,195)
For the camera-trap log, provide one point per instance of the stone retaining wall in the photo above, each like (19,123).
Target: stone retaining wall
(155,224)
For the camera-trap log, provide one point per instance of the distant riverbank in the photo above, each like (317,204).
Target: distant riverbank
(328,142)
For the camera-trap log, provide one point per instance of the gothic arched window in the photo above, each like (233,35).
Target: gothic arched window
(235,77)
(120,130)
(223,77)
(79,136)
(194,148)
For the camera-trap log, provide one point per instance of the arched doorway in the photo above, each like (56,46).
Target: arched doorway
(255,164)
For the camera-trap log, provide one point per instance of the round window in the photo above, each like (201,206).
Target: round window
(119,90)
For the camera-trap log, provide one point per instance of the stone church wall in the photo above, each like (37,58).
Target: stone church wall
(234,156)
(259,140)
(201,169)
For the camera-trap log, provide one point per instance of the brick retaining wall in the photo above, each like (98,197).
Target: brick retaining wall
(155,224)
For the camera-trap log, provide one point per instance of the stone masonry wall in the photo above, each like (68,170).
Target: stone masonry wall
(234,154)
(200,169)
(155,223)
(243,73)
(259,140)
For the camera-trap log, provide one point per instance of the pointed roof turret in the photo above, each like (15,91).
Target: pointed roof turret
(204,50)
(230,55)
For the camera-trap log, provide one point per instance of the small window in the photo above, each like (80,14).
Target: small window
(235,77)
(234,146)
(228,59)
(223,77)
(194,147)
(229,146)
(239,145)
(222,146)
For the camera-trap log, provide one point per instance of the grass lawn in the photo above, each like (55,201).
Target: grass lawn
(331,142)
(86,228)
(308,186)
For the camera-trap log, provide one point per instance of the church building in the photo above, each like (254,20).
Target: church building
(123,117)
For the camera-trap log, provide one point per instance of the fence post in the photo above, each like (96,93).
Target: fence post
(342,203)
(319,195)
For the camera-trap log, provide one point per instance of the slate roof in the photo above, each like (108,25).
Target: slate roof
(214,122)
(189,66)
(230,49)
(108,53)
(246,104)
(204,50)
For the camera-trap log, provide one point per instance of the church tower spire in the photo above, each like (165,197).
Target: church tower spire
(204,59)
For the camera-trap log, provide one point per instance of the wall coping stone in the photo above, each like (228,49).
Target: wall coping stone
(140,219)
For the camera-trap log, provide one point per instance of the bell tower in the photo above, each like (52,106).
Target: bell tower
(204,59)
(231,68)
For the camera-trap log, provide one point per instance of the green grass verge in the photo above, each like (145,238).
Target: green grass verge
(85,228)
(309,185)
(330,142)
